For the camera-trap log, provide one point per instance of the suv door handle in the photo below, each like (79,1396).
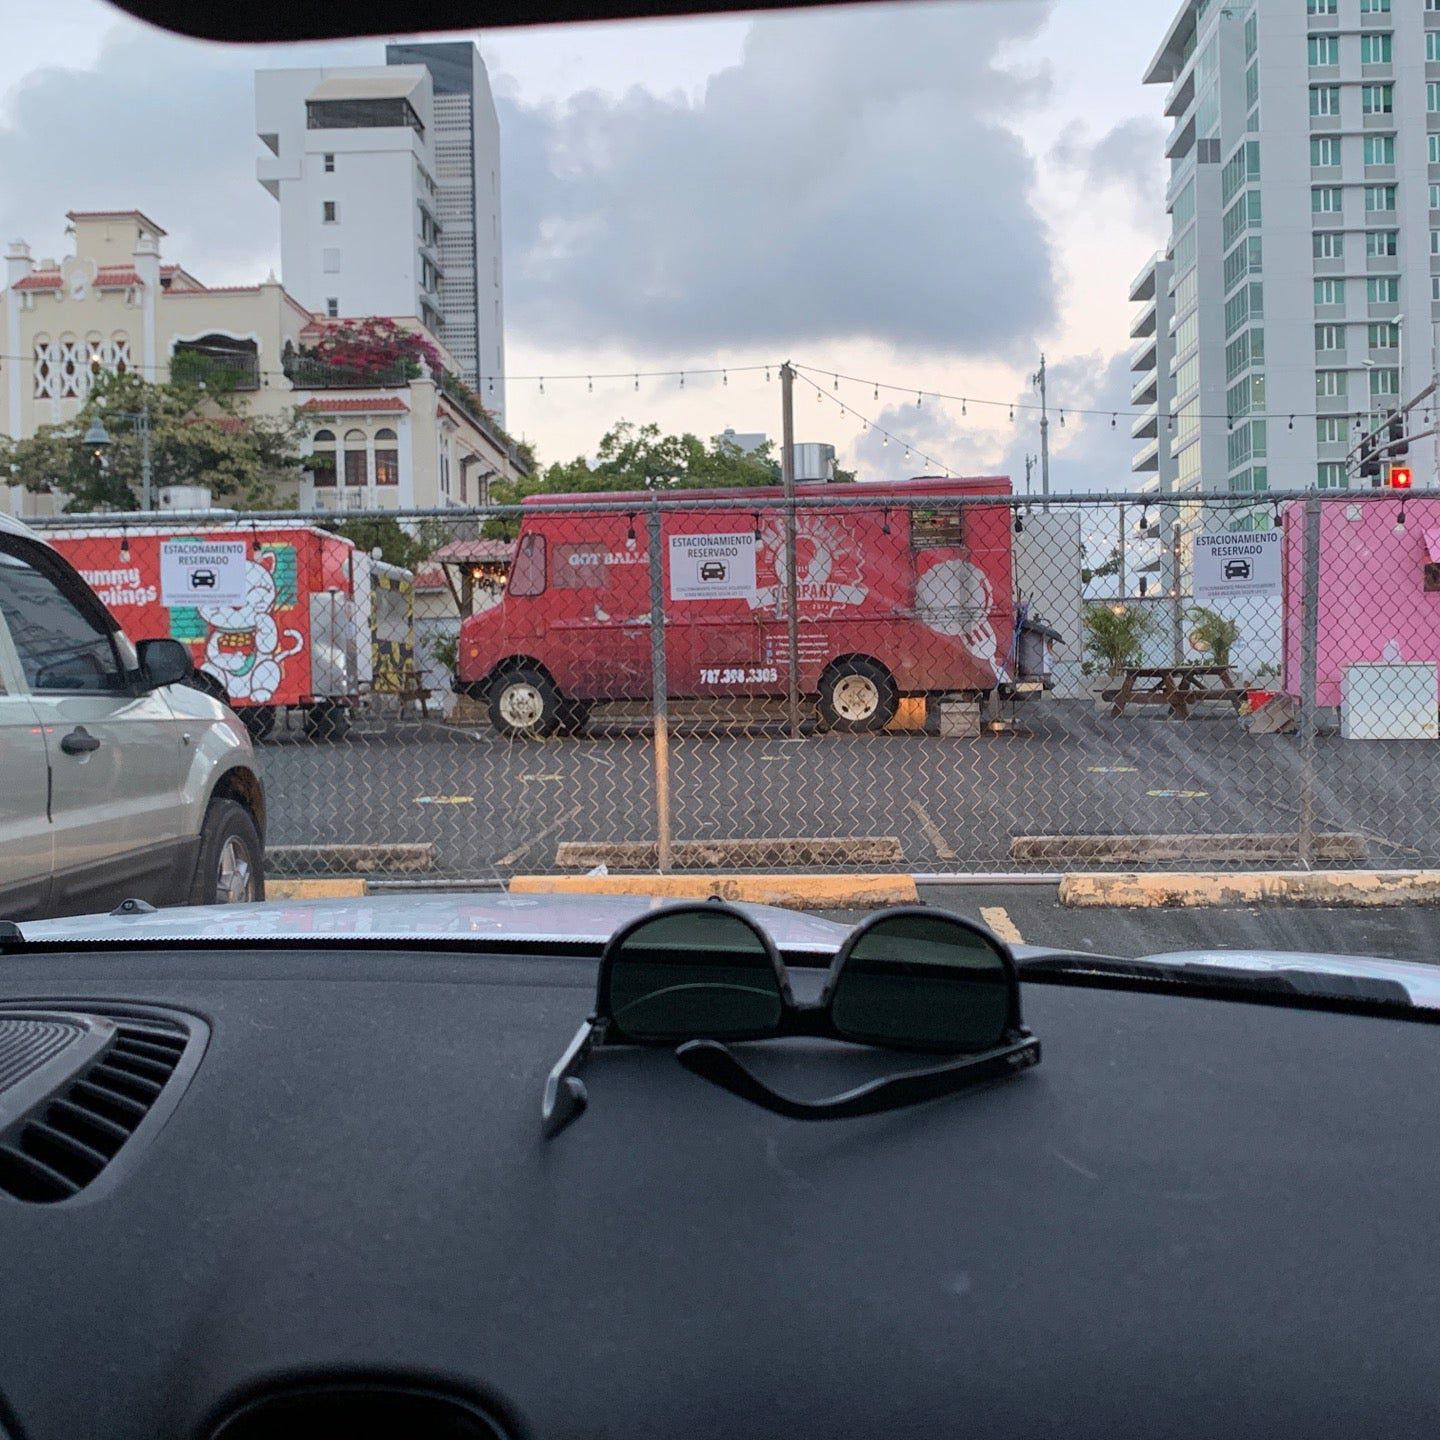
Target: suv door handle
(79,742)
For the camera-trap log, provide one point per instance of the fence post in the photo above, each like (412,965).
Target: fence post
(659,695)
(1177,623)
(792,616)
(1309,664)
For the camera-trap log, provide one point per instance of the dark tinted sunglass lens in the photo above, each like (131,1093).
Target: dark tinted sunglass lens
(694,975)
(923,980)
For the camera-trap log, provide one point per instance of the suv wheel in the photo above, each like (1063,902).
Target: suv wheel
(232,860)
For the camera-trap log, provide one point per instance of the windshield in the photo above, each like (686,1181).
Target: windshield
(872,444)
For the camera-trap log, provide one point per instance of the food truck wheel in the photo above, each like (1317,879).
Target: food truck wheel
(327,720)
(258,720)
(857,695)
(525,702)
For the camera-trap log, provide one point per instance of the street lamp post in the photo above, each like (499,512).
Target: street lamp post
(97,440)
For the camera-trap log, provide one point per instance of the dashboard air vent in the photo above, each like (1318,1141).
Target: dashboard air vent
(80,1084)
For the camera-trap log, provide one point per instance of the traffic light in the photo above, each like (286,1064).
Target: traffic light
(1398,445)
(1369,457)
(1401,477)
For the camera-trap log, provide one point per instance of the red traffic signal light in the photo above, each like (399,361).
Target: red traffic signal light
(1401,477)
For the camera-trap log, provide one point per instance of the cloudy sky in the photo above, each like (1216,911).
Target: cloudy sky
(926,195)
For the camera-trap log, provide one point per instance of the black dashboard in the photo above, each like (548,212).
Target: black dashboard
(1194,1218)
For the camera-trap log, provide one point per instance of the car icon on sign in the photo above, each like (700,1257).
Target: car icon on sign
(1237,569)
(713,570)
(202,579)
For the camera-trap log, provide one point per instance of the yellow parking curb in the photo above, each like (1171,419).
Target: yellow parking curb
(1296,887)
(331,889)
(802,892)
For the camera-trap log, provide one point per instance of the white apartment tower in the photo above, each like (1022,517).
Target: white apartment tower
(1304,251)
(466,136)
(1151,362)
(352,164)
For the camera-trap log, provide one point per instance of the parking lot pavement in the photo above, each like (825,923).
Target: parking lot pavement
(1032,914)
(492,805)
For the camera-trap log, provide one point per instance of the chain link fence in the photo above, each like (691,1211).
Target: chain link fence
(929,677)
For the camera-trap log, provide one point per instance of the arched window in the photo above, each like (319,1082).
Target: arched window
(47,373)
(72,367)
(357,459)
(387,457)
(322,459)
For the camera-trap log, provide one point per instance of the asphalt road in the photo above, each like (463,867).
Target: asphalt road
(492,807)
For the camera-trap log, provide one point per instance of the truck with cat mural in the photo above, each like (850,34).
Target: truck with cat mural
(276,613)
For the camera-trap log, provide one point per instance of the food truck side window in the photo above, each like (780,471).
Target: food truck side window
(527,574)
(931,528)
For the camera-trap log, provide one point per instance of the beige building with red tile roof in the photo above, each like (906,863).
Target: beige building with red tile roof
(113,306)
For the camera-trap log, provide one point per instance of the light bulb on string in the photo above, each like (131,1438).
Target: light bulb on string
(542,384)
(886,440)
(917,399)
(1112,420)
(767,374)
(492,384)
(877,392)
(1062,419)
(1012,412)
(682,379)
(637,382)
(963,410)
(1291,425)
(590,384)
(724,377)
(836,382)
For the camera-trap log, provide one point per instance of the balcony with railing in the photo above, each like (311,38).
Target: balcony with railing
(1147,458)
(1145,389)
(215,369)
(305,372)
(1146,426)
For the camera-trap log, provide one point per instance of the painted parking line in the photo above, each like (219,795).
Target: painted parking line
(997,917)
(938,843)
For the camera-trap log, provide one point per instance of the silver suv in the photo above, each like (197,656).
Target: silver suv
(118,779)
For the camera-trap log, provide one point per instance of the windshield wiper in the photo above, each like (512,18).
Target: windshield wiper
(1293,984)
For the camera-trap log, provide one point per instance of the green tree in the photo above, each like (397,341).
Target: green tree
(408,545)
(1216,634)
(1115,634)
(200,434)
(639,457)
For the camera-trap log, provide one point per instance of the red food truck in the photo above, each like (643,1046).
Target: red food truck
(271,613)
(894,599)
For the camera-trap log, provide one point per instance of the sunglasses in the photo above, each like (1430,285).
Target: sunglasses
(702,974)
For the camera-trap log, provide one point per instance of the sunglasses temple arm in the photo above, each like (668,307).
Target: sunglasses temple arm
(565,1093)
(713,1062)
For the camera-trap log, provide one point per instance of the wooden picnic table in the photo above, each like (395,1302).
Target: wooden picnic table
(1177,686)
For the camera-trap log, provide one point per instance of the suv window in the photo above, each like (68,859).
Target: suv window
(61,647)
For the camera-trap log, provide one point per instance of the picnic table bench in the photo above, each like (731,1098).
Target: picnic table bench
(1177,686)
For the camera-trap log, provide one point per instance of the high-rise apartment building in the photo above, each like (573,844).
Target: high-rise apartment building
(1150,361)
(466,136)
(352,164)
(1304,249)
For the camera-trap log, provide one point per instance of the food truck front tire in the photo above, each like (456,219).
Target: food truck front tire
(327,720)
(258,720)
(857,694)
(525,702)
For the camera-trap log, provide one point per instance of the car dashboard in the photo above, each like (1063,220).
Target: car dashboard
(1194,1218)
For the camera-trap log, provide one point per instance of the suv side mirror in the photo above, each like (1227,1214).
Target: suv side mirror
(164,662)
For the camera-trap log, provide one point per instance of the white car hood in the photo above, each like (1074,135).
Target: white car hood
(551,919)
